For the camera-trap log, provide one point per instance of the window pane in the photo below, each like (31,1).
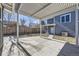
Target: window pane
(42,22)
(50,21)
(62,19)
(67,18)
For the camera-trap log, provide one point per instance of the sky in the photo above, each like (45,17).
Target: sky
(27,19)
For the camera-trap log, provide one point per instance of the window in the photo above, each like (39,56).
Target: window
(65,18)
(42,22)
(50,21)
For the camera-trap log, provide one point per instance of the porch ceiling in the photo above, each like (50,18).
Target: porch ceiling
(42,10)
(8,6)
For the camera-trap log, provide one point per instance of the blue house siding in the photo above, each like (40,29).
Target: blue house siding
(63,27)
(78,22)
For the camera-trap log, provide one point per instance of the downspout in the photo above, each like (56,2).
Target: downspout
(40,28)
(54,27)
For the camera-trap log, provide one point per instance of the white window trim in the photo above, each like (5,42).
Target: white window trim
(65,18)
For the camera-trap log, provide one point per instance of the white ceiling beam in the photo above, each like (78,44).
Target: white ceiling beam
(41,9)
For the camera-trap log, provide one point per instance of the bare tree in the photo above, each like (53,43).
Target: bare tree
(6,16)
(30,22)
(9,16)
(22,21)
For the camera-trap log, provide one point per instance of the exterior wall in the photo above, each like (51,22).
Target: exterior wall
(78,22)
(63,27)
(70,26)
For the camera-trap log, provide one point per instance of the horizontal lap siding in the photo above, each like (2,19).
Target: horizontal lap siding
(66,27)
(78,22)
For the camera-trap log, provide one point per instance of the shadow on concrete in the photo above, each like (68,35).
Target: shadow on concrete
(69,50)
(20,47)
(10,50)
(1,50)
(24,50)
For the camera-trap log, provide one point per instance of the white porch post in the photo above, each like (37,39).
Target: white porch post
(17,26)
(47,31)
(76,25)
(54,26)
(1,28)
(40,28)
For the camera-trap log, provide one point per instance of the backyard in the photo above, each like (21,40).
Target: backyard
(71,40)
(35,45)
(68,39)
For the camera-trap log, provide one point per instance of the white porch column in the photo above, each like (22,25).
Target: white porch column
(17,26)
(76,25)
(40,28)
(47,31)
(1,28)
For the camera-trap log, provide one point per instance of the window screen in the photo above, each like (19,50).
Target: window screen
(63,19)
(50,21)
(67,18)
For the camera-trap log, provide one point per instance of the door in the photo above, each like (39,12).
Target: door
(52,30)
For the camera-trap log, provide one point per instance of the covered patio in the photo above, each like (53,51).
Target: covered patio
(36,45)
(44,11)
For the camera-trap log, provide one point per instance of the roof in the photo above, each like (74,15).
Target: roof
(38,10)
(8,6)
(42,10)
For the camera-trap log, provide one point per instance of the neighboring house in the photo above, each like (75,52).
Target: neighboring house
(64,22)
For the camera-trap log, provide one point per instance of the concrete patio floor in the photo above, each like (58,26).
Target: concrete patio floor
(37,46)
